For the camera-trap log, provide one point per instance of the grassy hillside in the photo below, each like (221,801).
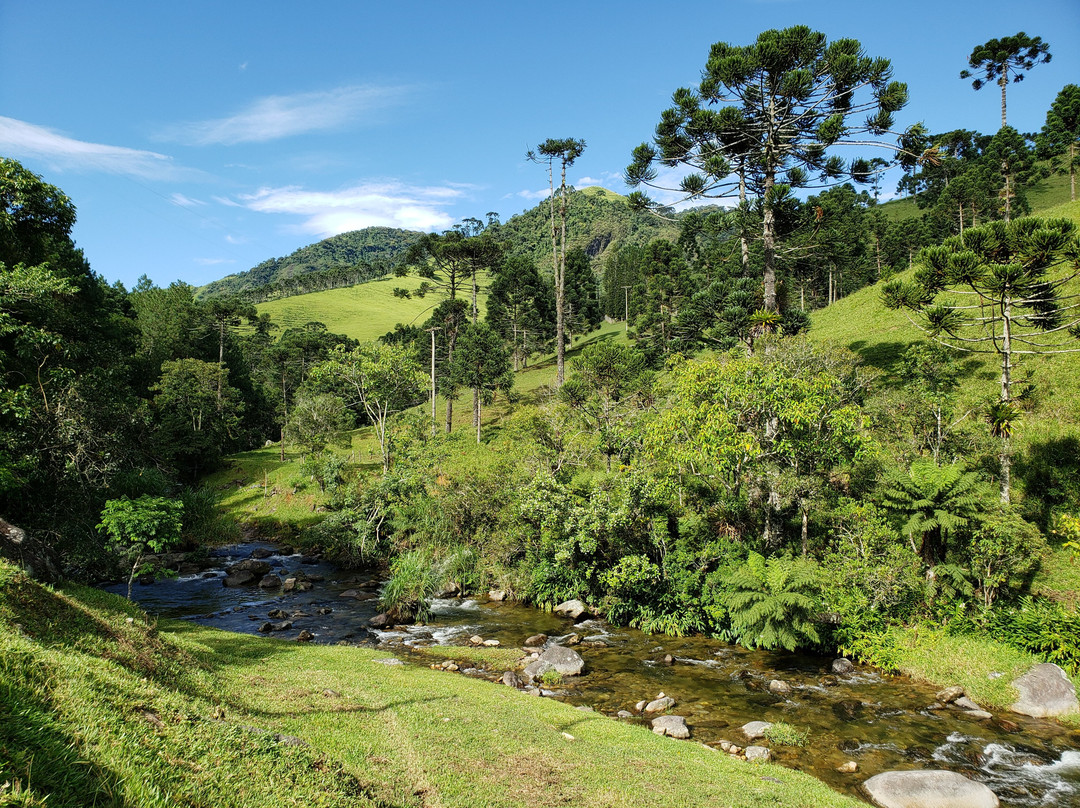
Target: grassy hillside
(99,705)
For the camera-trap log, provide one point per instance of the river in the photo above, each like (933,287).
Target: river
(880,721)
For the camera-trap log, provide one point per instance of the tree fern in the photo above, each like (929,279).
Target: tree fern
(772,602)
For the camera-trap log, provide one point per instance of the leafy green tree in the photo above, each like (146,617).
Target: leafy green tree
(665,286)
(791,99)
(582,306)
(607,384)
(319,419)
(136,527)
(481,362)
(378,379)
(565,152)
(933,502)
(1061,133)
(1002,289)
(226,313)
(999,60)
(1003,550)
(772,602)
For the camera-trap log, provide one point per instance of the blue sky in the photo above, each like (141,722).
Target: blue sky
(200,138)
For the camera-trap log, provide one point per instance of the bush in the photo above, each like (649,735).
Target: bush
(786,735)
(772,602)
(414,581)
(1042,627)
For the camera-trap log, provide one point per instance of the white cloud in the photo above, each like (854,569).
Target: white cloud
(207,262)
(26,140)
(607,179)
(542,194)
(185,201)
(279,116)
(387,204)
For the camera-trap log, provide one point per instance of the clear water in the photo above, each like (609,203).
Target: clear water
(879,721)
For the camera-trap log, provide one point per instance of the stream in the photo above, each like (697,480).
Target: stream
(880,721)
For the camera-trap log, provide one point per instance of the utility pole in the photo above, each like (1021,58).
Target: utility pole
(626,309)
(433,329)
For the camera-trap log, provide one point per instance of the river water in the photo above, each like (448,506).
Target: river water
(877,720)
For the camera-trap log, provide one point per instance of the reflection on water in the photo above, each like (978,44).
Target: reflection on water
(879,721)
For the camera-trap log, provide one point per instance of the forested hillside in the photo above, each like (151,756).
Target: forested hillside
(342,260)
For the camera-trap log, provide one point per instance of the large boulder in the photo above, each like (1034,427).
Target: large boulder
(1045,692)
(564,661)
(574,609)
(928,789)
(36,557)
(253,565)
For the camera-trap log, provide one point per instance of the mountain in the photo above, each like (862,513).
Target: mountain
(598,221)
(343,260)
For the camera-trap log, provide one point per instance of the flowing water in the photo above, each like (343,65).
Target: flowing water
(881,722)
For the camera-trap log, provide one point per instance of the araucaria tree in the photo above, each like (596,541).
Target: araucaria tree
(768,117)
(564,151)
(998,60)
(1004,289)
(1060,134)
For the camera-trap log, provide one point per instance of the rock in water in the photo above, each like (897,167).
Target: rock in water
(270,582)
(779,687)
(1045,692)
(256,567)
(660,704)
(843,666)
(674,726)
(928,789)
(572,609)
(755,729)
(557,658)
(536,640)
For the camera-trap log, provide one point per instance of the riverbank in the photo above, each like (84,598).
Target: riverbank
(98,705)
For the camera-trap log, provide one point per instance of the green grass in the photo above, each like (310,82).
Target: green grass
(95,709)
(364,312)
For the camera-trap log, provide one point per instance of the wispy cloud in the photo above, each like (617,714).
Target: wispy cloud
(209,262)
(185,201)
(24,140)
(607,179)
(387,204)
(543,193)
(280,116)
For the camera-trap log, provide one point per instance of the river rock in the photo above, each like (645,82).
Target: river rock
(843,666)
(536,640)
(674,726)
(284,625)
(640,706)
(572,639)
(305,636)
(380,620)
(277,614)
(624,714)
(270,582)
(573,609)
(928,789)
(1045,692)
(497,595)
(557,658)
(476,639)
(189,568)
(980,715)
(950,694)
(847,709)
(512,679)
(261,552)
(779,687)
(758,754)
(348,593)
(492,643)
(660,704)
(755,729)
(848,767)
(241,578)
(253,565)
(964,703)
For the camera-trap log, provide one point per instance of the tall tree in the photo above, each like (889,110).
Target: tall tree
(226,313)
(999,60)
(564,151)
(1001,289)
(481,362)
(521,308)
(1061,133)
(790,99)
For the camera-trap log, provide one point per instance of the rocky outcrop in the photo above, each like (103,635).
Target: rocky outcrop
(36,557)
(928,789)
(1045,692)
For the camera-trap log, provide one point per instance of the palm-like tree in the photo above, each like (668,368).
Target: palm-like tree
(998,60)
(933,502)
(772,602)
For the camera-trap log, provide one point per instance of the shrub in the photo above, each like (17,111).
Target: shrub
(786,735)
(772,603)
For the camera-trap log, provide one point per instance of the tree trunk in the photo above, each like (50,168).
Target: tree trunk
(768,242)
(1003,81)
(1006,397)
(477,414)
(805,532)
(1072,171)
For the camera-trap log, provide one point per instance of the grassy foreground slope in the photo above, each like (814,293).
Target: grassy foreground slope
(100,706)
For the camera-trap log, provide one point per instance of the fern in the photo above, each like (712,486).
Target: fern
(772,602)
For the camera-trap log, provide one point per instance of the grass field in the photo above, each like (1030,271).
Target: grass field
(101,706)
